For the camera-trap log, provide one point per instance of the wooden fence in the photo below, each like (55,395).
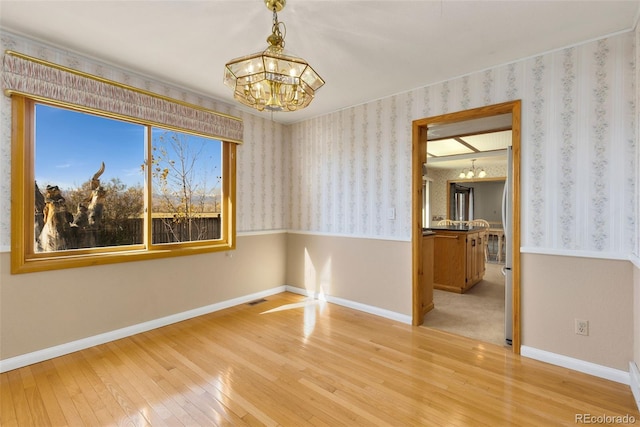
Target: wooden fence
(164,230)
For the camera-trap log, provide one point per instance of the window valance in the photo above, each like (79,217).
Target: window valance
(41,79)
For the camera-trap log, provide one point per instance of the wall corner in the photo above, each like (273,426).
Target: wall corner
(634,382)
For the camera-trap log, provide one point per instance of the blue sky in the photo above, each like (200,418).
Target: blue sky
(70,147)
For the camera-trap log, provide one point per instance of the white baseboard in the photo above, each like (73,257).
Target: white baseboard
(631,378)
(634,373)
(388,314)
(60,350)
(594,369)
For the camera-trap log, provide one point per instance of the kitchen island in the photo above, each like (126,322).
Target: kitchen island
(458,257)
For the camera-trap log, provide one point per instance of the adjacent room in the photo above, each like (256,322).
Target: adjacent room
(465,181)
(429,214)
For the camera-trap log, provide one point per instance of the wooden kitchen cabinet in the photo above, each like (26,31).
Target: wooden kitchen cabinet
(459,261)
(475,267)
(428,242)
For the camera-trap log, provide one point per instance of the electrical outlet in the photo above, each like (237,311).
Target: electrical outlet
(582,327)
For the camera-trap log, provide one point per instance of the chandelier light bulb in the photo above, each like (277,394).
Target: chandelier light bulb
(472,172)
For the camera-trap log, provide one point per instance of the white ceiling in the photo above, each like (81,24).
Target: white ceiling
(454,145)
(468,145)
(490,149)
(364,50)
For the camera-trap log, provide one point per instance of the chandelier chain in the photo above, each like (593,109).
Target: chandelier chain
(276,33)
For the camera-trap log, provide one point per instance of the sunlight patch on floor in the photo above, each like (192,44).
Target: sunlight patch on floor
(302,304)
(310,306)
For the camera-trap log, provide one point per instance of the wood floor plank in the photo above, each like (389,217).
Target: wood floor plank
(194,374)
(187,379)
(289,361)
(21,408)
(118,374)
(80,401)
(144,369)
(8,415)
(60,391)
(41,373)
(218,386)
(39,413)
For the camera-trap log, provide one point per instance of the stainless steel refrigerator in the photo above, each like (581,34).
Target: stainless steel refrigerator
(507,225)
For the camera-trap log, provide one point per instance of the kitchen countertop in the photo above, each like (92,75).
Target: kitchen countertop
(460,227)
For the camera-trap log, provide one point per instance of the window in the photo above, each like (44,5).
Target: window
(94,188)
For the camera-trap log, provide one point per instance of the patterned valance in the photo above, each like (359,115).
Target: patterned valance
(47,81)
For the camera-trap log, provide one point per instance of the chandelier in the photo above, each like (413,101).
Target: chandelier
(472,172)
(273,79)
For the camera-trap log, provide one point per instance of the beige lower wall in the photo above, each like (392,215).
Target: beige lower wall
(367,271)
(555,291)
(636,314)
(42,310)
(558,289)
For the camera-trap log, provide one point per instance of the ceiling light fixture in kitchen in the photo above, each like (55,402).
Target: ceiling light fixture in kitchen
(472,172)
(273,79)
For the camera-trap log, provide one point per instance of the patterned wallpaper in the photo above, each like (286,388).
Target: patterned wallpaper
(350,169)
(636,114)
(579,152)
(5,173)
(348,173)
(261,176)
(260,165)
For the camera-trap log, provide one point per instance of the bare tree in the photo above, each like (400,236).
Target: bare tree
(185,180)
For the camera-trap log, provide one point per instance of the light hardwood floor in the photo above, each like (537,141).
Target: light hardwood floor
(293,362)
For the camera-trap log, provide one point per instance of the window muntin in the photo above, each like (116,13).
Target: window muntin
(52,150)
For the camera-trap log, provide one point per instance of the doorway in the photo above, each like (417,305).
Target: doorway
(457,124)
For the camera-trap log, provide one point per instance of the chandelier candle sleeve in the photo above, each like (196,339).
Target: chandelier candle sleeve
(273,79)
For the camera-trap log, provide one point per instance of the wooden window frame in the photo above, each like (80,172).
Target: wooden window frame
(23,257)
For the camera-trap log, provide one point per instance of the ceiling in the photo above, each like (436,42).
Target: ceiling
(457,153)
(364,50)
(455,145)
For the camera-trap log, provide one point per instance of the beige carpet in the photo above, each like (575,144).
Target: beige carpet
(478,313)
